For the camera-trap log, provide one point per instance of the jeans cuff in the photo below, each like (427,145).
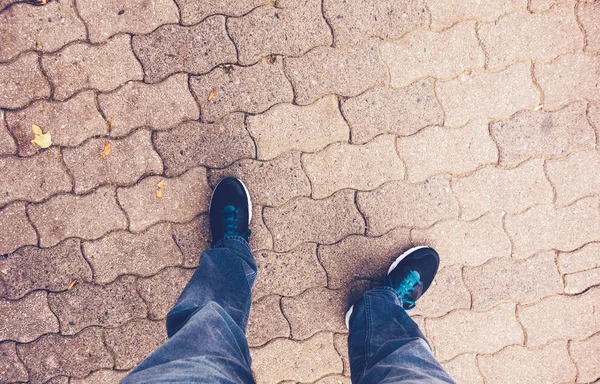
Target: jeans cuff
(386,288)
(237,243)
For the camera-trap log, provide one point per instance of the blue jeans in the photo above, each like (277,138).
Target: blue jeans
(207,341)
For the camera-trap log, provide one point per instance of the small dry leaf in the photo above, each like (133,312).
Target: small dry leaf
(42,140)
(41,2)
(212,94)
(106,149)
(109,125)
(538,108)
(72,285)
(159,191)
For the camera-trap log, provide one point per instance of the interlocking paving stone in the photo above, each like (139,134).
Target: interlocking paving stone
(134,341)
(303,361)
(345,72)
(470,331)
(103,305)
(161,106)
(541,5)
(570,77)
(83,66)
(34,178)
(143,254)
(480,93)
(438,149)
(500,189)
(15,229)
(52,269)
(517,35)
(306,128)
(542,328)
(546,227)
(22,81)
(75,356)
(499,368)
(594,117)
(192,11)
(468,243)
(70,123)
(287,32)
(251,89)
(173,48)
(25,27)
(334,379)
(444,13)
(271,182)
(97,214)
(387,19)
(103,376)
(27,319)
(182,199)
(580,281)
(588,13)
(400,204)
(439,54)
(107,18)
(580,260)
(446,293)
(266,321)
(546,134)
(8,146)
(340,342)
(464,369)
(342,165)
(193,238)
(12,369)
(129,159)
(261,238)
(585,355)
(302,220)
(290,273)
(576,176)
(210,144)
(386,110)
(521,281)
(162,290)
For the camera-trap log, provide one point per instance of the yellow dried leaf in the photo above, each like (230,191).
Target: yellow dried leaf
(72,285)
(41,139)
(159,191)
(41,2)
(212,94)
(109,125)
(106,149)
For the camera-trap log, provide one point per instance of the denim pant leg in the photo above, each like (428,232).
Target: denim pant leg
(206,327)
(386,346)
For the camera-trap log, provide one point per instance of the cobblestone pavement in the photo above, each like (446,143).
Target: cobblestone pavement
(360,128)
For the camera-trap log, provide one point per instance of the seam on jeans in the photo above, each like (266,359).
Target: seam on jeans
(369,331)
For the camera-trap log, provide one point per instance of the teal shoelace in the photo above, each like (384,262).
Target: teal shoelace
(407,286)
(230,222)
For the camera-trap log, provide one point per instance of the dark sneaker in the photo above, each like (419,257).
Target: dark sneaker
(230,210)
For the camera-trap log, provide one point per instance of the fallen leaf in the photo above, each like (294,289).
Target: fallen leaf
(72,285)
(106,149)
(41,2)
(109,125)
(159,191)
(42,140)
(538,108)
(212,94)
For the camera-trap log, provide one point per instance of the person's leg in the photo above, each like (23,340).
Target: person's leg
(385,345)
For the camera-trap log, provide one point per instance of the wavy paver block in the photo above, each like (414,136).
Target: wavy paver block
(75,356)
(134,341)
(193,238)
(271,182)
(499,189)
(464,369)
(162,290)
(287,32)
(400,204)
(70,123)
(546,227)
(447,293)
(143,254)
(579,260)
(301,220)
(182,199)
(33,178)
(542,5)
(480,93)
(387,19)
(103,376)
(192,11)
(470,331)
(11,368)
(444,13)
(261,237)
(266,322)
(576,176)
(588,13)
(340,342)
(306,128)
(51,269)
(25,27)
(345,72)
(97,214)
(580,281)
(27,319)
(299,361)
(586,356)
(15,229)
(499,368)
(107,18)
(517,36)
(437,54)
(173,48)
(8,146)
(160,106)
(542,328)
(22,81)
(435,150)
(289,273)
(251,89)
(572,76)
(128,160)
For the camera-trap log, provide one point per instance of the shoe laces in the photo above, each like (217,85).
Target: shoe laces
(230,222)
(407,286)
